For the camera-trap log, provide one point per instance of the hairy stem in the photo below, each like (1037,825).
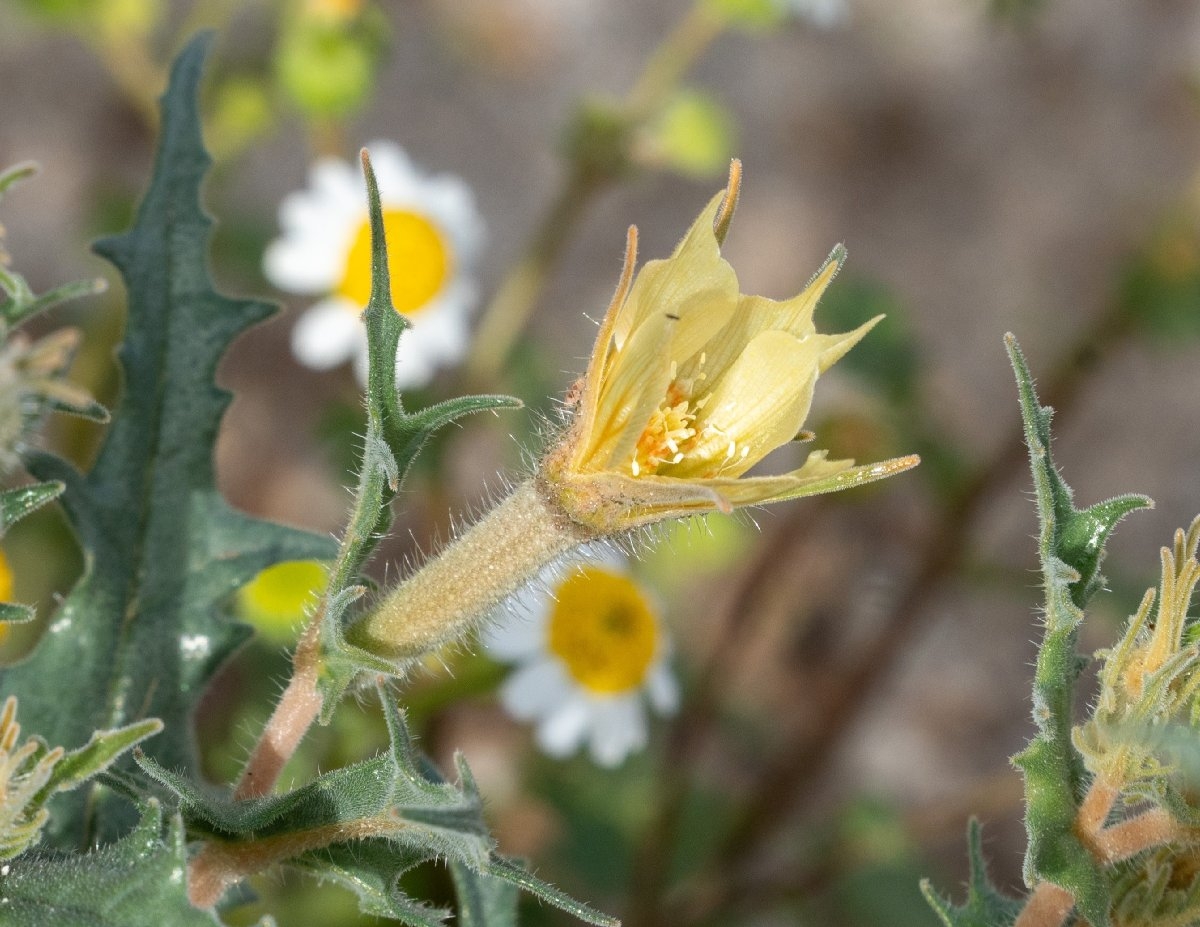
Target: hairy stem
(1095,808)
(219,865)
(1130,837)
(452,593)
(1048,906)
(294,714)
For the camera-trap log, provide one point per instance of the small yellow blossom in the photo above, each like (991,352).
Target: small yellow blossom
(691,384)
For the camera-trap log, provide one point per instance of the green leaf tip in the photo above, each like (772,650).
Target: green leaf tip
(16,503)
(14,174)
(1076,537)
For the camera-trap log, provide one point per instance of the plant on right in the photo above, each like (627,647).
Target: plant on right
(1112,804)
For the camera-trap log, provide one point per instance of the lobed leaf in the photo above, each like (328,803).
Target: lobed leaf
(142,631)
(364,826)
(394,439)
(1071,549)
(138,881)
(986,906)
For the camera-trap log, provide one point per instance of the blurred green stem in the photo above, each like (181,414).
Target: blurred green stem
(588,173)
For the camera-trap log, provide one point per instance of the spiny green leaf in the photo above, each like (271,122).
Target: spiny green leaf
(1075,537)
(393,441)
(77,766)
(412,814)
(1071,548)
(139,881)
(142,631)
(986,906)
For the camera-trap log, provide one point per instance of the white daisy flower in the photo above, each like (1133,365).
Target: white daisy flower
(589,644)
(433,234)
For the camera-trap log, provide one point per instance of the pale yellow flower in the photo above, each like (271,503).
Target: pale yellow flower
(691,384)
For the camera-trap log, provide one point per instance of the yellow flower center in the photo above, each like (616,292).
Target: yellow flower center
(6,579)
(671,435)
(6,590)
(603,629)
(669,429)
(279,597)
(419,256)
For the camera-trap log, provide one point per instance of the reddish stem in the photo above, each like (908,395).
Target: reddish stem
(295,713)
(1048,906)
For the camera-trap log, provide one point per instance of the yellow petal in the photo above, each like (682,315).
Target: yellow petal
(631,390)
(759,404)
(601,350)
(756,314)
(834,347)
(666,285)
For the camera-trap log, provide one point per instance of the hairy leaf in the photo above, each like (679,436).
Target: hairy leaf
(142,631)
(986,906)
(139,881)
(483,900)
(364,826)
(1071,548)
(394,439)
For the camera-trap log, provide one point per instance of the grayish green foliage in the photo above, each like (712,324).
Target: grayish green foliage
(131,883)
(142,631)
(417,818)
(1071,547)
(985,907)
(394,439)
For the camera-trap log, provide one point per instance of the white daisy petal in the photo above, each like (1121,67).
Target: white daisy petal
(535,690)
(320,251)
(663,689)
(561,733)
(303,263)
(328,334)
(618,729)
(335,181)
(579,699)
(512,638)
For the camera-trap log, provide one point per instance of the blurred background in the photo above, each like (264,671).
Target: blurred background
(855,669)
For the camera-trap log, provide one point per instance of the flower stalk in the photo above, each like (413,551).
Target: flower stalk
(454,591)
